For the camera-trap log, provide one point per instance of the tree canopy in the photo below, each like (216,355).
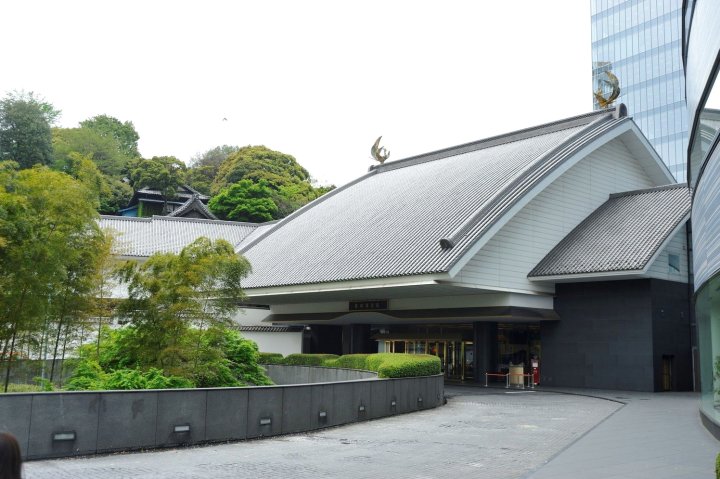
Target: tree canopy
(245,201)
(259,163)
(25,121)
(49,239)
(163,173)
(178,304)
(286,186)
(123,133)
(104,151)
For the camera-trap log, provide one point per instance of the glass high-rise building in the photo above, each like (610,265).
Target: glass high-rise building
(640,41)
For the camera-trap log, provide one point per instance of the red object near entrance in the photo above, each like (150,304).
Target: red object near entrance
(536,371)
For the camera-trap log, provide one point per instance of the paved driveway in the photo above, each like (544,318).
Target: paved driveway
(480,434)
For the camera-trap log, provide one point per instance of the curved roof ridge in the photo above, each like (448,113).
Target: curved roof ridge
(492,141)
(649,190)
(527,178)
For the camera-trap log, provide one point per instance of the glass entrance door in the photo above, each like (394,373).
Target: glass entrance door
(456,357)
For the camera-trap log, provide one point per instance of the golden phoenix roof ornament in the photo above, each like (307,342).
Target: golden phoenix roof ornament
(613,82)
(379,152)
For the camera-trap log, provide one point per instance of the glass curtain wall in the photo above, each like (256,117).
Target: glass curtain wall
(640,41)
(707,313)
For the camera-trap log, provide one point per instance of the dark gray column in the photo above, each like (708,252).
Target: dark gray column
(485,344)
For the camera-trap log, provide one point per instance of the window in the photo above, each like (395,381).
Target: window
(673,263)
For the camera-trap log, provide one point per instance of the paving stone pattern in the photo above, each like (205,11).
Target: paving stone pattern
(480,434)
(655,436)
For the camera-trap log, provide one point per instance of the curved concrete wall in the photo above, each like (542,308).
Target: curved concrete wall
(281,374)
(79,423)
(706,223)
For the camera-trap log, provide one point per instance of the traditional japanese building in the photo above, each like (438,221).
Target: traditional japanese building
(563,244)
(187,203)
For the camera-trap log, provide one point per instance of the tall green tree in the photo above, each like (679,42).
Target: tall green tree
(176,302)
(290,184)
(204,167)
(259,163)
(122,132)
(164,173)
(25,121)
(49,231)
(104,151)
(111,193)
(245,201)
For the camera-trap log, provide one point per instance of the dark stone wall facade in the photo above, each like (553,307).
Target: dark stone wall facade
(614,334)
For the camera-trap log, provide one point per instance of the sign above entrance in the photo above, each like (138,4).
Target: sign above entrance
(369,305)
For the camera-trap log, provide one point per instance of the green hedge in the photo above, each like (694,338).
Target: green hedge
(349,361)
(397,365)
(717,467)
(270,358)
(387,365)
(307,359)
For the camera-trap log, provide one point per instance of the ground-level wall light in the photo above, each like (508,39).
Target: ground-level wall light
(265,421)
(64,436)
(182,428)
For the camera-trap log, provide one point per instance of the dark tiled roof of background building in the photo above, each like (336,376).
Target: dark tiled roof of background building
(193,204)
(623,234)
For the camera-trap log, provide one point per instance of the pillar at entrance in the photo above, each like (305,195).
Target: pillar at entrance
(485,344)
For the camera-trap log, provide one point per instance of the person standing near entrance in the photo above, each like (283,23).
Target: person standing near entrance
(10,458)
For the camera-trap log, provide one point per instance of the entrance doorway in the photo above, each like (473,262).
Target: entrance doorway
(667,376)
(456,357)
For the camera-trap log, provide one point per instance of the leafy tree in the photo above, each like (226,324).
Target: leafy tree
(49,233)
(204,167)
(170,293)
(259,163)
(245,201)
(25,121)
(110,194)
(164,173)
(105,151)
(123,133)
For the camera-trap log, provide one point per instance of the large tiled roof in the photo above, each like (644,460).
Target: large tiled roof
(142,237)
(418,215)
(623,234)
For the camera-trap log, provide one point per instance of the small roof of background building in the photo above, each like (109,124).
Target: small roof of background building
(142,237)
(623,234)
(193,208)
(419,215)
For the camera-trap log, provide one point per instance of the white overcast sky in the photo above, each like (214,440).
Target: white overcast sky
(316,79)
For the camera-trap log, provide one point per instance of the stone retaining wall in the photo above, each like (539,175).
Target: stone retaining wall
(58,424)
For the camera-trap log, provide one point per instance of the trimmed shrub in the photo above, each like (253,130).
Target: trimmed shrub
(397,365)
(307,359)
(717,467)
(349,361)
(270,358)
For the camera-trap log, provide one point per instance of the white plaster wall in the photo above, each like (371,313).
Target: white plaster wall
(283,343)
(506,260)
(660,268)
